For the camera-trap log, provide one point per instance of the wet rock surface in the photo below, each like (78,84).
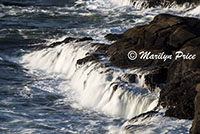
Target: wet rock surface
(177,78)
(65,41)
(156,78)
(196,122)
(130,78)
(89,58)
(166,34)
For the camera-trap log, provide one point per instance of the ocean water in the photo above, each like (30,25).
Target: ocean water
(44,91)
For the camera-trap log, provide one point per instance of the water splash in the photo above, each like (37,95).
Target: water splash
(97,87)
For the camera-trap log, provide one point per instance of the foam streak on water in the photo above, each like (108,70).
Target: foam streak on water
(94,86)
(47,92)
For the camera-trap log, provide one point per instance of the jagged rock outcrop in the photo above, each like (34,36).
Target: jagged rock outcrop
(156,78)
(92,57)
(196,122)
(129,78)
(179,93)
(165,35)
(168,34)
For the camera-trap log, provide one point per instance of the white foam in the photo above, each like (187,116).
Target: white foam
(96,91)
(157,124)
(95,87)
(107,4)
(1,59)
(194,13)
(122,2)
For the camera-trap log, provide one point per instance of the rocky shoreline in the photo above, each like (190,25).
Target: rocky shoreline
(177,78)
(169,34)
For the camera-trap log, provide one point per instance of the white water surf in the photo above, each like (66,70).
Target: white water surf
(93,83)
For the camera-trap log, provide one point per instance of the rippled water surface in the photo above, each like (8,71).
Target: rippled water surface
(33,101)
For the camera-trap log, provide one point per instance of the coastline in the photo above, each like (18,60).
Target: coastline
(177,93)
(100,66)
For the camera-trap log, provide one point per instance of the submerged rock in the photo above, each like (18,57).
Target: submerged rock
(89,58)
(66,40)
(129,78)
(84,39)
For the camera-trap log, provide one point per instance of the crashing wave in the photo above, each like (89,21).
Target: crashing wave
(98,87)
(140,4)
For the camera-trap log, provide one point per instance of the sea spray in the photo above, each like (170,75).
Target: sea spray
(97,88)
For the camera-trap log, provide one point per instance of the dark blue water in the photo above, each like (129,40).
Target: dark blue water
(28,103)
(33,101)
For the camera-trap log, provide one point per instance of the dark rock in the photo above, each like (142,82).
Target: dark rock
(114,37)
(89,58)
(193,42)
(156,77)
(66,40)
(196,122)
(180,35)
(84,39)
(144,115)
(179,93)
(169,34)
(129,78)
(178,97)
(166,33)
(102,48)
(54,44)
